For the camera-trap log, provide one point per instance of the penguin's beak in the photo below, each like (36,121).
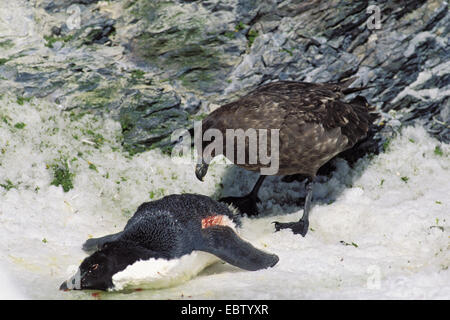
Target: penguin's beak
(73,283)
(200,170)
(63,286)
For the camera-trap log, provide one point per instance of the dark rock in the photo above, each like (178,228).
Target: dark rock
(190,54)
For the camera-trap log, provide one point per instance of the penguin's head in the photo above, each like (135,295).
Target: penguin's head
(97,270)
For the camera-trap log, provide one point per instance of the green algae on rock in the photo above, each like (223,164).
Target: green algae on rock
(154,66)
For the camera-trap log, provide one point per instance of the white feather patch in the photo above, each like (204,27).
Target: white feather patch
(162,273)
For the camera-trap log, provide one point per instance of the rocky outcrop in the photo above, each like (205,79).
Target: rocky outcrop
(157,65)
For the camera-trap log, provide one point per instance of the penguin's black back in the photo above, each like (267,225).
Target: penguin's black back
(173,224)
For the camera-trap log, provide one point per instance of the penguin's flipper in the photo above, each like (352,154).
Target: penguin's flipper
(224,243)
(96,243)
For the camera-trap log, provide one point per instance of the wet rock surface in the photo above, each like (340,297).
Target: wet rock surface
(157,65)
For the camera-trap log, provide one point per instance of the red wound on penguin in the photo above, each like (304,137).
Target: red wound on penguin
(211,221)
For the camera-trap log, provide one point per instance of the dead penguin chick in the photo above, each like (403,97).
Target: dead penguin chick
(167,241)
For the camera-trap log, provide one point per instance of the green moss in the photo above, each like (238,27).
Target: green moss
(6,119)
(20,125)
(137,74)
(230,34)
(187,53)
(89,84)
(240,26)
(67,38)
(251,36)
(22,100)
(348,244)
(7,44)
(198,117)
(126,122)
(158,193)
(133,149)
(3,61)
(52,39)
(8,185)
(290,52)
(96,137)
(62,176)
(92,167)
(438,151)
(98,97)
(75,116)
(404,179)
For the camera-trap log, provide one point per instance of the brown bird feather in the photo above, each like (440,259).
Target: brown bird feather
(315,122)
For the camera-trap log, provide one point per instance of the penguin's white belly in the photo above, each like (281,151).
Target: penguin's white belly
(162,273)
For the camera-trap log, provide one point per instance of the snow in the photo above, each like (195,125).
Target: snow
(378,230)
